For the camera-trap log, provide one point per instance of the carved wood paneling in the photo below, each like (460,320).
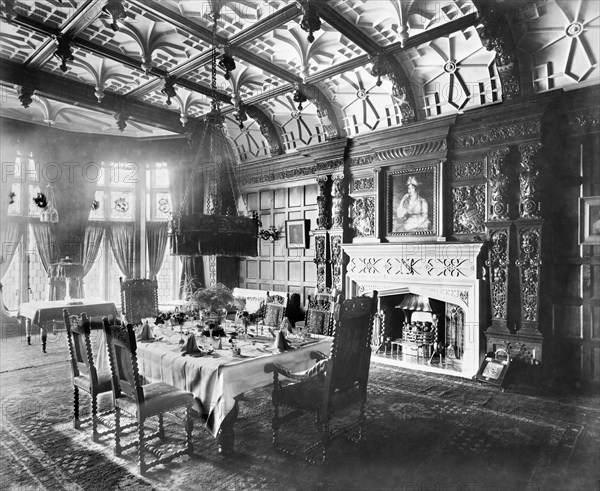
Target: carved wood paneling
(499,184)
(468,209)
(363,216)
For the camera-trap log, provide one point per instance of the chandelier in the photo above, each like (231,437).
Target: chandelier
(222,230)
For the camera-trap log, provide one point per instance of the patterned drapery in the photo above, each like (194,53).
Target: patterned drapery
(121,237)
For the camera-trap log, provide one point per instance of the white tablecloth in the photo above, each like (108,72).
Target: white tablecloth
(216,380)
(45,311)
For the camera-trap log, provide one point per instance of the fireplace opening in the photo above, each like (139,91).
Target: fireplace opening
(419,330)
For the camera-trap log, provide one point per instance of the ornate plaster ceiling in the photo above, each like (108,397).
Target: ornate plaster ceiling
(432,57)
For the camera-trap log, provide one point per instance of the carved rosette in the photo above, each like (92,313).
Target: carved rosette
(337,201)
(468,205)
(529,206)
(336,262)
(363,216)
(529,263)
(322,218)
(498,184)
(498,263)
(321,261)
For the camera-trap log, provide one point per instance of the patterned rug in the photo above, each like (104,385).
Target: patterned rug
(424,432)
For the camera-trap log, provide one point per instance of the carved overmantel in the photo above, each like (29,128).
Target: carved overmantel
(450,272)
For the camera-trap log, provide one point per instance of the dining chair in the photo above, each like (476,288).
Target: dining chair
(335,382)
(140,401)
(85,375)
(274,312)
(319,314)
(139,299)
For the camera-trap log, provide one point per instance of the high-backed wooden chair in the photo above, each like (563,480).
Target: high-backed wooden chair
(274,310)
(333,383)
(319,314)
(142,401)
(139,299)
(85,375)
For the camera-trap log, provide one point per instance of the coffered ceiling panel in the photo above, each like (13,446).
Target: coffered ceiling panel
(559,43)
(19,43)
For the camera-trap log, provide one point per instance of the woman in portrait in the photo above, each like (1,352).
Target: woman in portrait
(413,210)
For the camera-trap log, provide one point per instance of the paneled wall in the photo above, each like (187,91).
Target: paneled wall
(278,268)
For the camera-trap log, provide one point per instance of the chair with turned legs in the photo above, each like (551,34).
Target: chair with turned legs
(142,401)
(85,375)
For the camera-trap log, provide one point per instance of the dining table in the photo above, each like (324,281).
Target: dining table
(219,374)
(50,312)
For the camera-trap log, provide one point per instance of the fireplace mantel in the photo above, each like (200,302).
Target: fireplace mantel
(450,272)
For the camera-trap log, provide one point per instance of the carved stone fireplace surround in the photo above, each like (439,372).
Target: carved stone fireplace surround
(449,272)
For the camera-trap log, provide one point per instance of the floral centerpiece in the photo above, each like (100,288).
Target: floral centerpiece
(213,303)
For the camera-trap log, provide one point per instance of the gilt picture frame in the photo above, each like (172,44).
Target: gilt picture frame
(296,234)
(413,200)
(589,220)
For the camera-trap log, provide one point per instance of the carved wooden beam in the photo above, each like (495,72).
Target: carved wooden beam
(76,93)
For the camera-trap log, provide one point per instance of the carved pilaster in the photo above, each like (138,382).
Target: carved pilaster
(336,261)
(498,262)
(529,239)
(337,201)
(529,205)
(322,201)
(499,184)
(321,260)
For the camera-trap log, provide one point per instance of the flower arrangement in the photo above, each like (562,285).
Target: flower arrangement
(215,299)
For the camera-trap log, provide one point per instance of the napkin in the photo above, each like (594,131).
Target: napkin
(190,347)
(281,343)
(146,333)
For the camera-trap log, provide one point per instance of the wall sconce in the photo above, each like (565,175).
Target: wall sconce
(271,234)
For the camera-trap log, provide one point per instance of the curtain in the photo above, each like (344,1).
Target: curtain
(121,237)
(10,238)
(49,253)
(92,238)
(156,238)
(192,275)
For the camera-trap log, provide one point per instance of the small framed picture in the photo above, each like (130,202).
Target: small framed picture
(296,234)
(589,220)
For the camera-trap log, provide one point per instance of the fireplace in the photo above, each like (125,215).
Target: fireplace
(449,276)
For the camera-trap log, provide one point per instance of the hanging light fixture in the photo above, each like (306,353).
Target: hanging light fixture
(49,213)
(221,230)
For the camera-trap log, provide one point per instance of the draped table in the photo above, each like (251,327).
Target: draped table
(42,313)
(217,380)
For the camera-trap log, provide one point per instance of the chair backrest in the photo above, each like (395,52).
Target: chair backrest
(139,299)
(351,347)
(121,344)
(80,346)
(319,314)
(275,309)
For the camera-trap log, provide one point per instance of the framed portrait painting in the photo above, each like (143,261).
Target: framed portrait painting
(296,234)
(589,220)
(413,200)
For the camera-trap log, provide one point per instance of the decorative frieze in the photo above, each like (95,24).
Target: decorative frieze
(529,206)
(515,129)
(363,216)
(499,184)
(529,262)
(337,201)
(363,184)
(362,160)
(468,209)
(498,264)
(285,175)
(322,201)
(332,164)
(448,267)
(463,171)
(588,117)
(412,150)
